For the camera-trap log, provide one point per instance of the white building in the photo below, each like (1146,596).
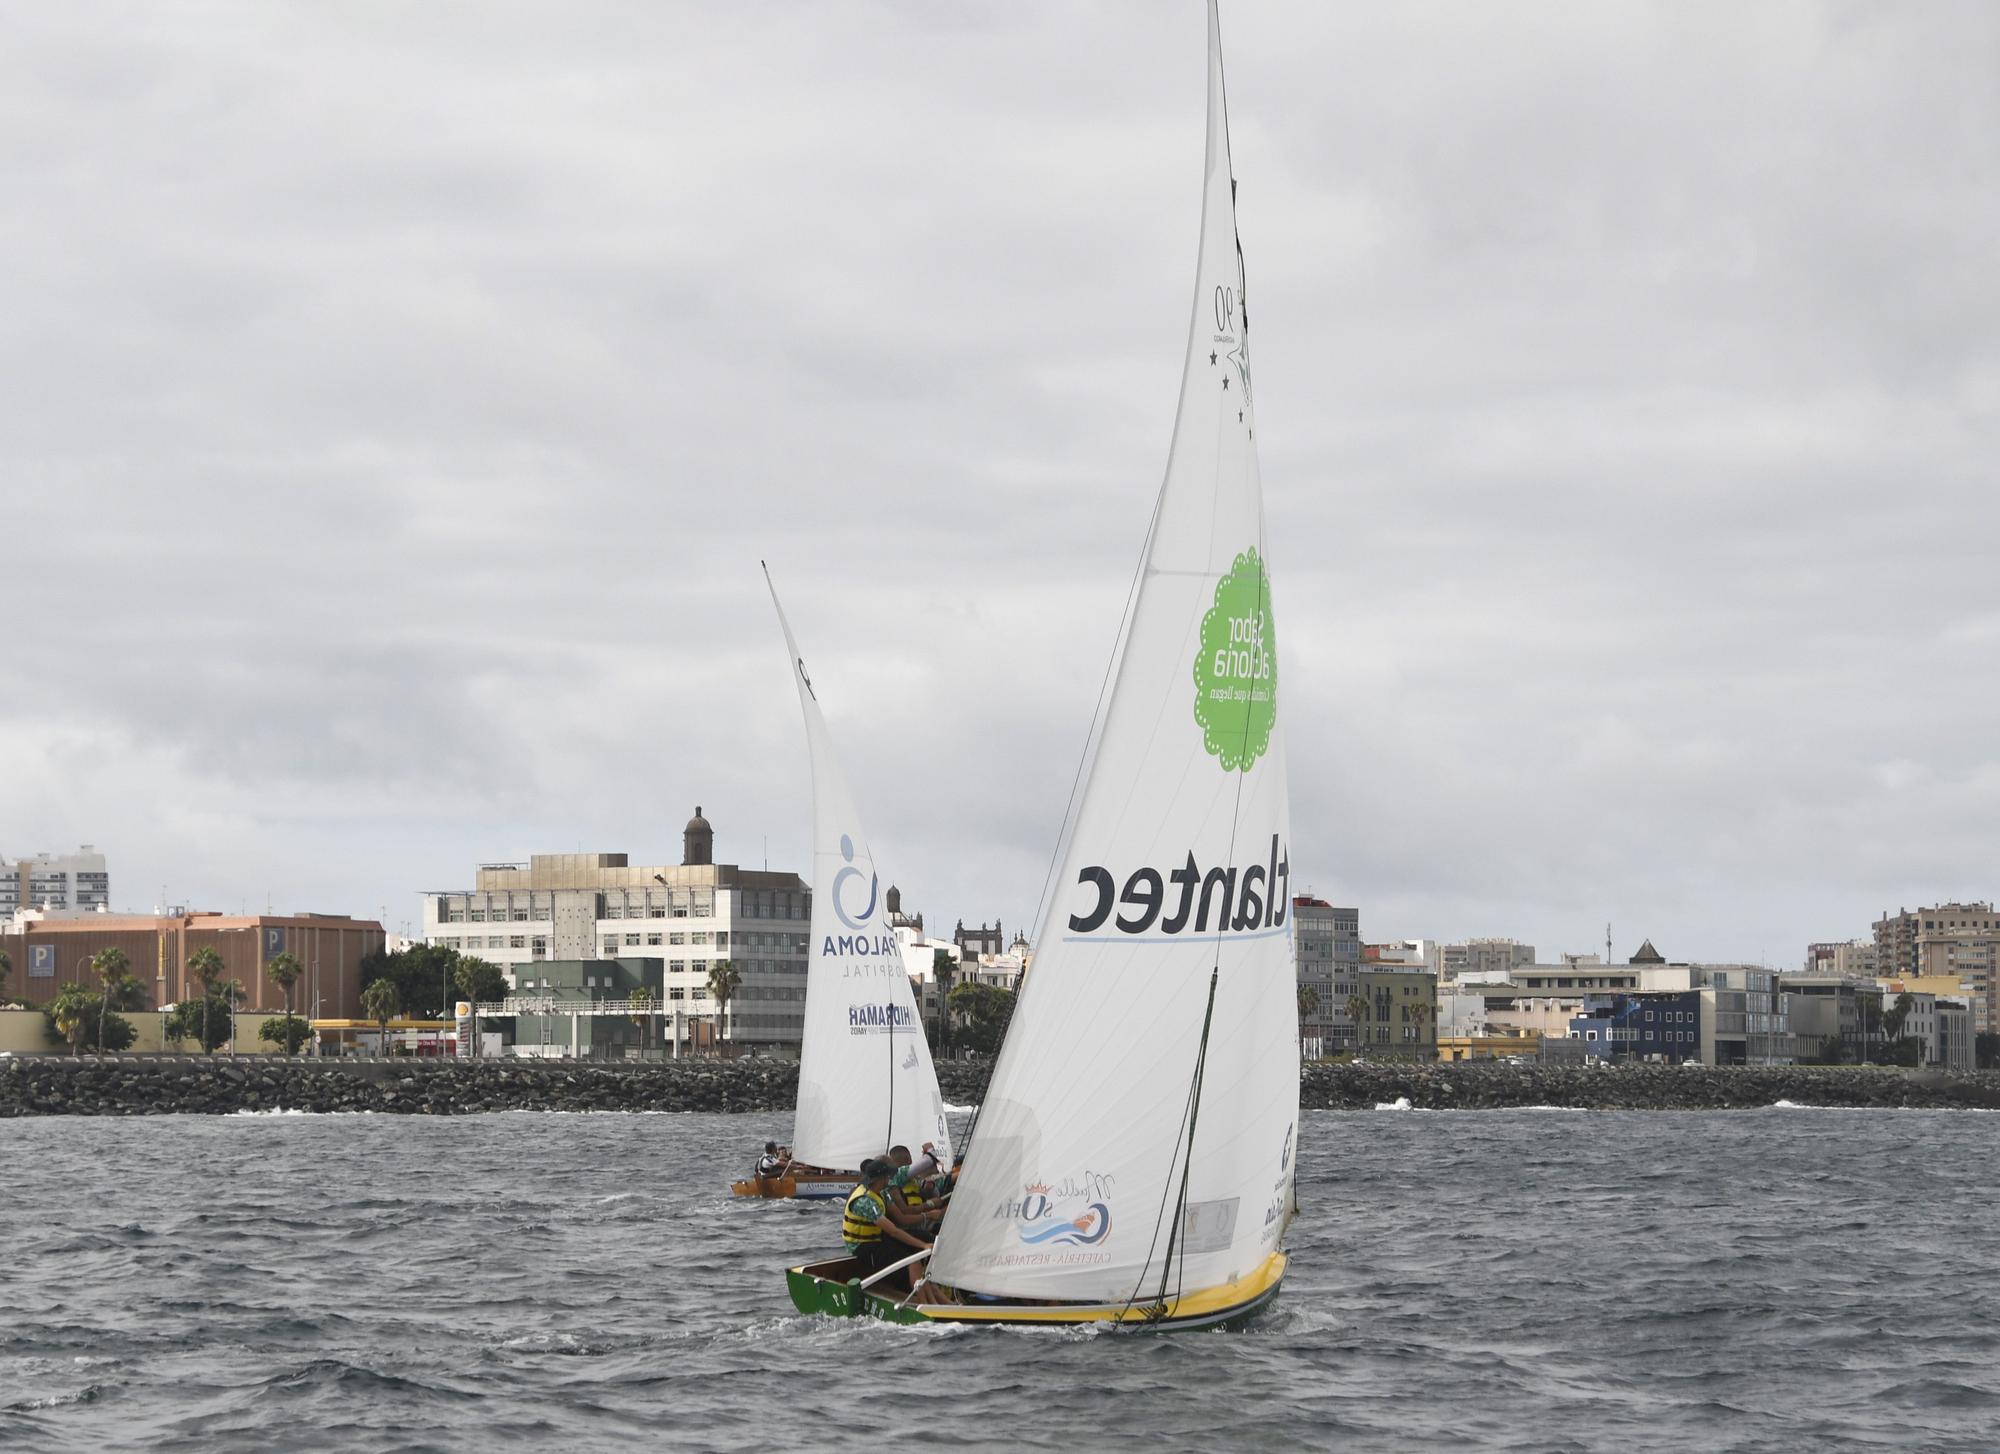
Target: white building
(687,915)
(56,881)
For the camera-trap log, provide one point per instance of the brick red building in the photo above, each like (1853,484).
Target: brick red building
(51,953)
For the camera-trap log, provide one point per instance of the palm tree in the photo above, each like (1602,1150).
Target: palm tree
(284,971)
(72,1011)
(643,998)
(111,965)
(381,1002)
(1357,1011)
(466,974)
(206,966)
(941,971)
(723,982)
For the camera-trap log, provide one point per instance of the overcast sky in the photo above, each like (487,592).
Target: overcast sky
(395,401)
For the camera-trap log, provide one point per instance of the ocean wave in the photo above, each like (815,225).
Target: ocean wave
(962,1110)
(1401,1103)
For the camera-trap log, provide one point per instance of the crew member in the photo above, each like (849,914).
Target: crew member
(872,1235)
(775,1161)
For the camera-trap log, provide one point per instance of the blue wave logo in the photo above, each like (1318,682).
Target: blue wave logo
(840,879)
(1085,1231)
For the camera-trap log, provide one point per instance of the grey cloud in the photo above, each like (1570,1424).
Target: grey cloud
(395,405)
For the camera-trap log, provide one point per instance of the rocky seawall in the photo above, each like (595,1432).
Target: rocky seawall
(138,1086)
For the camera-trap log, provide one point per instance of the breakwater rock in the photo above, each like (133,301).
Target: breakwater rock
(88,1085)
(1478,1086)
(219,1085)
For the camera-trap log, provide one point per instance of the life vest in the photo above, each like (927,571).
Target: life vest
(913,1193)
(768,1165)
(852,1228)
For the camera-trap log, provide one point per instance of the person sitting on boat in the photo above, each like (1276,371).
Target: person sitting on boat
(908,1172)
(872,1236)
(775,1161)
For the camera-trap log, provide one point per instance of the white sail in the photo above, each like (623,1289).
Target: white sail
(866,1081)
(1178,868)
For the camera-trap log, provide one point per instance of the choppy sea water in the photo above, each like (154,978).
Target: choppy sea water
(1749,1280)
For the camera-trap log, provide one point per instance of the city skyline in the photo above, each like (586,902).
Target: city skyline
(400,420)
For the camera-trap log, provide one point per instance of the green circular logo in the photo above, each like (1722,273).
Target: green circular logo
(1236,667)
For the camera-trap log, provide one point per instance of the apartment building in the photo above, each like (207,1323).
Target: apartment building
(55,881)
(1957,940)
(1326,950)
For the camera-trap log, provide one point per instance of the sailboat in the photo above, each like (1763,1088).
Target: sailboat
(866,1080)
(1134,1157)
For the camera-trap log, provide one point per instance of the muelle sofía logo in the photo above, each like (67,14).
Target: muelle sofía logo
(1236,667)
(1075,1213)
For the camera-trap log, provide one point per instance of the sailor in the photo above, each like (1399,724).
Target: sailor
(774,1162)
(872,1236)
(913,1198)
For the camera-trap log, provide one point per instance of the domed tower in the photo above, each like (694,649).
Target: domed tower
(697,840)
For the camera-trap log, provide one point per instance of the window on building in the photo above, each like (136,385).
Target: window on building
(653,938)
(478,916)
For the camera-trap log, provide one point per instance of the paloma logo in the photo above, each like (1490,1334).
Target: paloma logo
(852,921)
(1255,897)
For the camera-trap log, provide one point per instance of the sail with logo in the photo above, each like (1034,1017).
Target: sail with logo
(1134,1154)
(866,1081)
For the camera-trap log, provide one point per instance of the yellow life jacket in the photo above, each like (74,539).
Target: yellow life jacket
(913,1193)
(852,1228)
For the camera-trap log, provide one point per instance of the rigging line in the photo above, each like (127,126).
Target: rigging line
(1186,1113)
(1097,709)
(1187,1166)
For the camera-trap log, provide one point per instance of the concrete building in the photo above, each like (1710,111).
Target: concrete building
(1854,958)
(51,953)
(1401,1018)
(1825,1007)
(583,1009)
(1326,957)
(55,881)
(1946,939)
(1744,1019)
(578,906)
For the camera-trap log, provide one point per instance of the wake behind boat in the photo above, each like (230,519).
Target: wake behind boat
(1134,1157)
(866,1081)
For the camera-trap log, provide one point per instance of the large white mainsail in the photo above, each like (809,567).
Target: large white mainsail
(866,1081)
(1080,1184)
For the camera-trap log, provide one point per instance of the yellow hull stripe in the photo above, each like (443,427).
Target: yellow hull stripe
(1203,1302)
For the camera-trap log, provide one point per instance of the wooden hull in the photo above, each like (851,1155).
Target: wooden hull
(802,1185)
(833,1288)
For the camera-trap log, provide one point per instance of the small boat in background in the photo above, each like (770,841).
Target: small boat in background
(866,1080)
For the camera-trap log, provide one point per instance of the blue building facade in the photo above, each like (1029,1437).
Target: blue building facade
(1664,1025)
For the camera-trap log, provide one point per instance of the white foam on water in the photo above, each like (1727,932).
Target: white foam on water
(1401,1103)
(963,1110)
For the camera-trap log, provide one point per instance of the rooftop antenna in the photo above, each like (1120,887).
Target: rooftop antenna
(1607,942)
